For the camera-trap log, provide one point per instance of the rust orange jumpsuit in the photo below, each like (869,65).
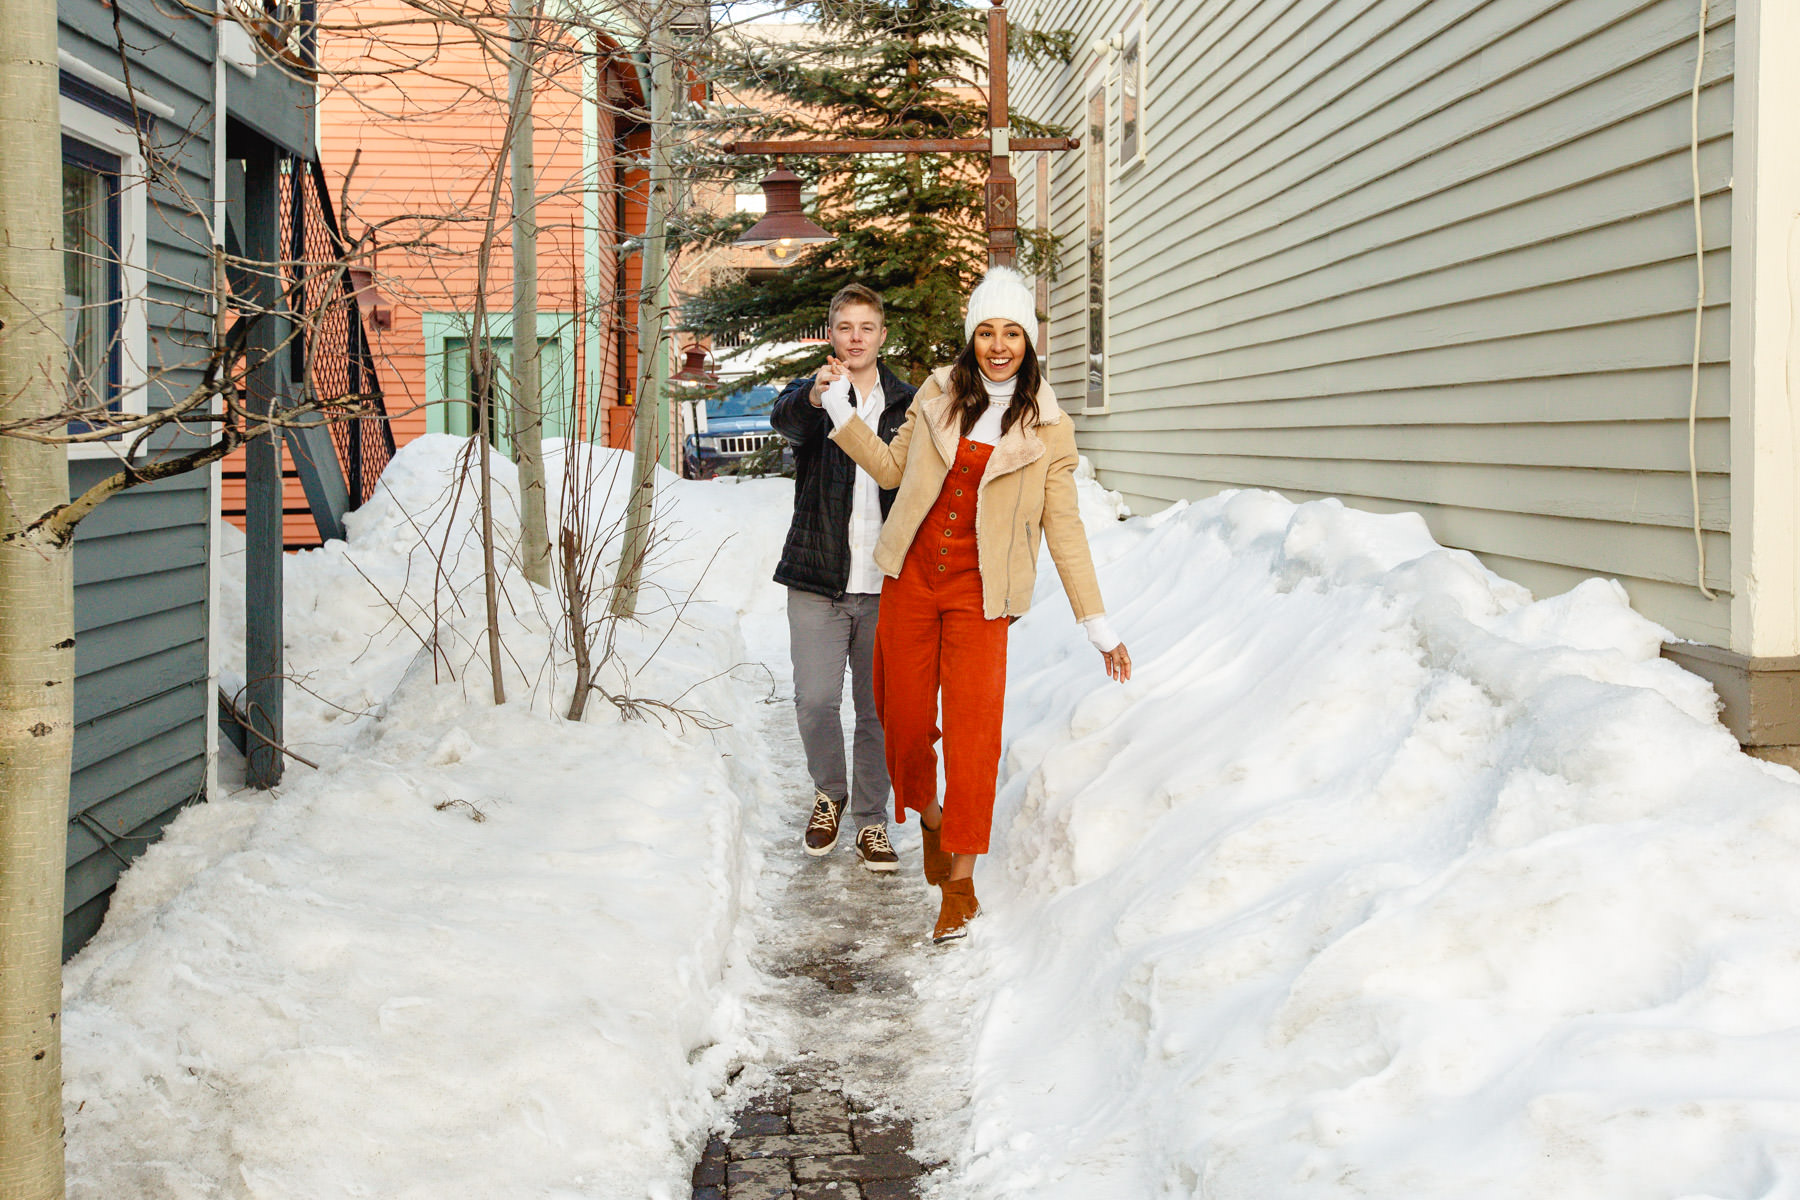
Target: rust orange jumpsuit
(931,638)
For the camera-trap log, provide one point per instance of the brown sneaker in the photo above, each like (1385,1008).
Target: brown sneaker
(874,850)
(932,855)
(959,908)
(822,830)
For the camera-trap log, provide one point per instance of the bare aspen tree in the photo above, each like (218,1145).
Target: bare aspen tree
(36,614)
(37,624)
(527,377)
(652,363)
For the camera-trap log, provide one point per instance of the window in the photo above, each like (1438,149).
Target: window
(92,285)
(747,196)
(1041,199)
(104,317)
(1094,145)
(1131,96)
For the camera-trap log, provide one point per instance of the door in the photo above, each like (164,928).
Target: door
(467,388)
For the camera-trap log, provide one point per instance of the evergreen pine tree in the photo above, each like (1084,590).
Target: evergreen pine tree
(909,226)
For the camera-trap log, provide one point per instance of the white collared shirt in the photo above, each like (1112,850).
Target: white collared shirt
(865,506)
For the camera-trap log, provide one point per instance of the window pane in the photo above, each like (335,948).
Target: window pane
(1129,78)
(1096,248)
(458,418)
(475,377)
(88,266)
(1043,226)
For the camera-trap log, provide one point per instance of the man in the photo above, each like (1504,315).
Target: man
(834,586)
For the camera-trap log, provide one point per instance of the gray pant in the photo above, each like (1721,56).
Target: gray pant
(824,634)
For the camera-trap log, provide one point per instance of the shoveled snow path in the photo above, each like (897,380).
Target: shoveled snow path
(845,951)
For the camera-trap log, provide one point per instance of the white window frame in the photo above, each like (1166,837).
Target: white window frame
(1098,82)
(115,137)
(1044,224)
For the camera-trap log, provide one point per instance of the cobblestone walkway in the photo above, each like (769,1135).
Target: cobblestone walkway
(845,947)
(805,1141)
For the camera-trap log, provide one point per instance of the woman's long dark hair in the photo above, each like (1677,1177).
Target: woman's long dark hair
(969,399)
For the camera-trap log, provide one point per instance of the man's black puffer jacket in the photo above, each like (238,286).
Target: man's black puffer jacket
(816,557)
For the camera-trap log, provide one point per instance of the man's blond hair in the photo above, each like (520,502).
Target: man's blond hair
(856,293)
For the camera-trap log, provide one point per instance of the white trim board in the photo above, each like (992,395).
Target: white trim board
(1765,333)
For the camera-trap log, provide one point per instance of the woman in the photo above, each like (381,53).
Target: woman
(985,465)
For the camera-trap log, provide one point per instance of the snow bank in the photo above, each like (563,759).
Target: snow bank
(1378,880)
(481,951)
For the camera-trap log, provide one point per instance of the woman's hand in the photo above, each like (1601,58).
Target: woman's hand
(829,373)
(1118,663)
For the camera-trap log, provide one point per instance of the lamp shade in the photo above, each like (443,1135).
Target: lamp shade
(369,299)
(693,366)
(783,223)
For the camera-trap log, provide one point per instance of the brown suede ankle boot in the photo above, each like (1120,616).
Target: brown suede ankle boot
(933,856)
(958,909)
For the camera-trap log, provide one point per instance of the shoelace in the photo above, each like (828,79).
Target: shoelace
(877,838)
(824,815)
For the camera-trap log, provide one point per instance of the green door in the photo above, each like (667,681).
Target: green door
(464,390)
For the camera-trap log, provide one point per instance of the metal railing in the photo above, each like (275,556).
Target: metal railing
(288,29)
(332,356)
(733,339)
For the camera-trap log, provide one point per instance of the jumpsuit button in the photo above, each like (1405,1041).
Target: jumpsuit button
(965,470)
(943,549)
(940,566)
(959,491)
(946,533)
(953,516)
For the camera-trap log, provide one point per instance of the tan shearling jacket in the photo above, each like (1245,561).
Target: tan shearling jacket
(1026,496)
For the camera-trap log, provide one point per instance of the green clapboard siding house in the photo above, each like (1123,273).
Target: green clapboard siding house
(231,136)
(1441,256)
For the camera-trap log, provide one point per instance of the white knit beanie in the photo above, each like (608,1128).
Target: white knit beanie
(1002,294)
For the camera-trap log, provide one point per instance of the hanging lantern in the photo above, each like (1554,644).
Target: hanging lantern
(693,366)
(784,228)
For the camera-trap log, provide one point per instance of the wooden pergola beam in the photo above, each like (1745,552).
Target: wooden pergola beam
(969,145)
(1001,193)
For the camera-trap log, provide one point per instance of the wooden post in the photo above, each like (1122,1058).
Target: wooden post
(1002,190)
(262,471)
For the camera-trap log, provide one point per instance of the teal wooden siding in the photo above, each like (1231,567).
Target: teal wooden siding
(141,586)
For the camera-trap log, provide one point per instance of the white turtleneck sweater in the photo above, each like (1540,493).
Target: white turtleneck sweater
(987,431)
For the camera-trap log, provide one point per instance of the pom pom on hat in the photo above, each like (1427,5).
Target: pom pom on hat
(1002,295)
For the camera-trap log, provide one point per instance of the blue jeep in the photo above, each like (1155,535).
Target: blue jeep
(737,435)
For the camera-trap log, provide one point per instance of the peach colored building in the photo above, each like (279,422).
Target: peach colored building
(412,116)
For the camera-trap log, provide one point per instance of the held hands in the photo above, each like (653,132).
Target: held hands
(831,372)
(1118,663)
